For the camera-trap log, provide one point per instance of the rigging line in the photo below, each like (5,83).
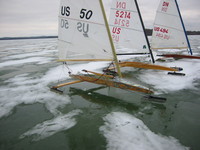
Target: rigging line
(188,42)
(92,77)
(110,65)
(61,71)
(67,67)
(145,34)
(60,74)
(101,75)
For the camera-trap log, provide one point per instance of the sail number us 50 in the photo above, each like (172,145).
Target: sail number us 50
(81,26)
(84,13)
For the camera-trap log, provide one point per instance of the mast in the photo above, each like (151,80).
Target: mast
(183,27)
(140,16)
(110,39)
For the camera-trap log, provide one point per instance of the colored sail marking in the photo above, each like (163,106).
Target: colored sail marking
(125,24)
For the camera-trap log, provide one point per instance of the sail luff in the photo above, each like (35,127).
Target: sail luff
(188,42)
(142,23)
(110,38)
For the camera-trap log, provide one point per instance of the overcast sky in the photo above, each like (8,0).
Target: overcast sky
(40,17)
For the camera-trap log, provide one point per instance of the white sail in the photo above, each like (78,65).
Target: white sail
(126,27)
(168,31)
(82,32)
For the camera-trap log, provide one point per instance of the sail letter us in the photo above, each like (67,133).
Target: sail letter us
(115,33)
(116,30)
(65,10)
(83,28)
(165,6)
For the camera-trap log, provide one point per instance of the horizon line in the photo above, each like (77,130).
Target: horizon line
(148,31)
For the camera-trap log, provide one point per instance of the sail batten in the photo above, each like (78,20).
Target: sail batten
(84,21)
(64,60)
(168,14)
(170,48)
(123,9)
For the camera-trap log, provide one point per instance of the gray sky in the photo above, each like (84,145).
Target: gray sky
(40,17)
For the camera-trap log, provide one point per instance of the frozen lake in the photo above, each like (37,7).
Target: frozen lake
(88,116)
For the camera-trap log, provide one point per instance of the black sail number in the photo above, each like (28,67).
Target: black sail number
(87,14)
(65,11)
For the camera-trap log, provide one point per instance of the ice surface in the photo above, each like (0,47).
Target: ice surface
(169,83)
(23,89)
(39,60)
(51,127)
(34,54)
(122,130)
(125,132)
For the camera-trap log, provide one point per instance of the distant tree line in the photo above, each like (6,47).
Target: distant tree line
(149,32)
(33,37)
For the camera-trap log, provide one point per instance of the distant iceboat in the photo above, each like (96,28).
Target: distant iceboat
(169,31)
(128,32)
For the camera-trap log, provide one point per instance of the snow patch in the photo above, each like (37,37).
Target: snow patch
(125,132)
(169,83)
(51,127)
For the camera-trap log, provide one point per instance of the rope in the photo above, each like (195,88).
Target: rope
(99,76)
(67,67)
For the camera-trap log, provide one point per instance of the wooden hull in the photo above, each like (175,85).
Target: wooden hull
(111,83)
(181,56)
(145,66)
